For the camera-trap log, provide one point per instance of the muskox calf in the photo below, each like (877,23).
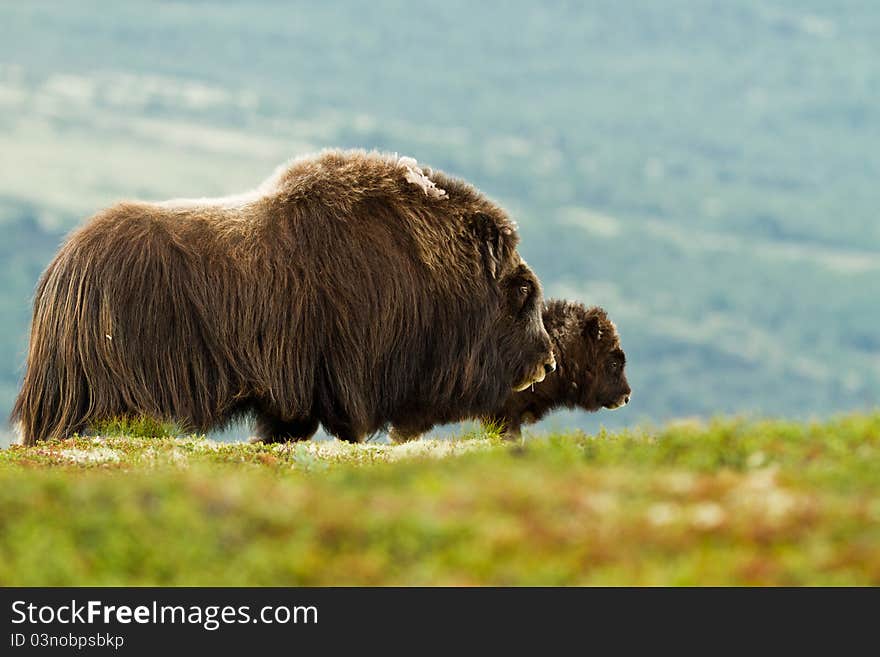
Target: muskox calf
(351,289)
(589,374)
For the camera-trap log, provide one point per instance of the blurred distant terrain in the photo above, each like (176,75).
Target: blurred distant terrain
(706,171)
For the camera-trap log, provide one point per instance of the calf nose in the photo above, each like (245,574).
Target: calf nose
(550,367)
(626,400)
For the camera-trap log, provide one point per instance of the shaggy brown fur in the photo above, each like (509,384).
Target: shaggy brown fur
(589,375)
(339,293)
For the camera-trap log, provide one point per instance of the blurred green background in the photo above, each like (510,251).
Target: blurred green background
(706,171)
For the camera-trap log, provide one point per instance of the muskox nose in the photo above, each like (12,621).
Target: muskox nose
(550,367)
(626,400)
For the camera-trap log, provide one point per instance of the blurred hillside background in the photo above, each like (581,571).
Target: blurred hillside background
(706,171)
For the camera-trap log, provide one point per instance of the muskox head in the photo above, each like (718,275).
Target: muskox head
(525,350)
(613,390)
(597,359)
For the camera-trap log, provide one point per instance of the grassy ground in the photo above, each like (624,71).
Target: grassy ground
(729,502)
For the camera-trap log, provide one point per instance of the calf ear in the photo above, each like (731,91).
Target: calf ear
(491,240)
(592,330)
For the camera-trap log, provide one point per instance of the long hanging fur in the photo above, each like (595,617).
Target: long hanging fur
(338,292)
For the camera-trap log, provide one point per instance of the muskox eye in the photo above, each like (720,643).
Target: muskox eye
(520,293)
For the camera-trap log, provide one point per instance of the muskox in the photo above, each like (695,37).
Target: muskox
(351,289)
(590,371)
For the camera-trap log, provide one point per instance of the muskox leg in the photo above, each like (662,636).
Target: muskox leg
(513,432)
(402,432)
(271,429)
(343,430)
(398,435)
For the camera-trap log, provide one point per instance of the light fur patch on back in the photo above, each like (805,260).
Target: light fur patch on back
(415,176)
(225,202)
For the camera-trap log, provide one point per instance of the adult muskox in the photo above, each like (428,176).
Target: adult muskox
(350,289)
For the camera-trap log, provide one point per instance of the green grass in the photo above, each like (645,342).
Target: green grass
(729,502)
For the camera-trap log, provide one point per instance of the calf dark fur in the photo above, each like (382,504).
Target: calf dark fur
(589,374)
(351,289)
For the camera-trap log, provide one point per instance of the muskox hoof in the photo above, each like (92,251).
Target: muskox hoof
(399,436)
(512,437)
(273,430)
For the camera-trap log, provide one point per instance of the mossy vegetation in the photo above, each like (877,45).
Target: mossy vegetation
(725,502)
